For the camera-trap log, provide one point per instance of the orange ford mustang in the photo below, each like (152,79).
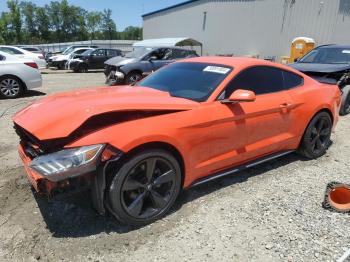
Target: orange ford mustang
(199,119)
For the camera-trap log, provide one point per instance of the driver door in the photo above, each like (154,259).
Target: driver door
(248,130)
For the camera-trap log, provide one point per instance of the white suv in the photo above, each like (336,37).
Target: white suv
(17,75)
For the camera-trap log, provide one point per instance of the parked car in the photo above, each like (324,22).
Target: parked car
(68,50)
(330,64)
(133,66)
(76,58)
(21,53)
(93,60)
(17,75)
(60,61)
(188,123)
(33,49)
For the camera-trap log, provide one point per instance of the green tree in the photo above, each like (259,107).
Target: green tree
(58,21)
(43,23)
(108,27)
(15,25)
(132,33)
(28,11)
(93,22)
(5,36)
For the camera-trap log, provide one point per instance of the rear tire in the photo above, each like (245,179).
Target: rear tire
(11,87)
(145,187)
(317,136)
(345,102)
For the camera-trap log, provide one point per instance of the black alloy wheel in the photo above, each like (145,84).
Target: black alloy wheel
(317,136)
(145,187)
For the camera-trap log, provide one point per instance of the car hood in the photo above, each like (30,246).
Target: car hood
(59,115)
(320,68)
(120,61)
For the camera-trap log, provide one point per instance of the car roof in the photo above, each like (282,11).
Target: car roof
(330,46)
(10,57)
(238,62)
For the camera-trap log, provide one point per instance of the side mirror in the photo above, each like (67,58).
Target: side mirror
(240,95)
(296,59)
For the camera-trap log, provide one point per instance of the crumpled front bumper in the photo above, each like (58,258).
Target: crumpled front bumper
(45,186)
(39,183)
(115,77)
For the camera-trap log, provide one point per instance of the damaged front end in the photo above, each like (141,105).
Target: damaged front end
(51,172)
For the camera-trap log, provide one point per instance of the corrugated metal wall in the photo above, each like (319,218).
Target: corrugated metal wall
(253,27)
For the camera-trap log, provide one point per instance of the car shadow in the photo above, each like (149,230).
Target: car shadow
(70,215)
(31,93)
(28,93)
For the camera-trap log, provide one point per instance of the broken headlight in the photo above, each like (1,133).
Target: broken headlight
(67,163)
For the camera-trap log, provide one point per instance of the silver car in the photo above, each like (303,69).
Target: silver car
(17,75)
(142,61)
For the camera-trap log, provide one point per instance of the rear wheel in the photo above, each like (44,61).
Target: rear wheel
(10,87)
(145,187)
(317,137)
(345,103)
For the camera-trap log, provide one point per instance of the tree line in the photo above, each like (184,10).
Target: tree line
(26,23)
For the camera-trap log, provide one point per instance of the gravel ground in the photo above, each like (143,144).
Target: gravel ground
(269,213)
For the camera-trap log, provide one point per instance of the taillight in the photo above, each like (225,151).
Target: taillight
(41,57)
(32,64)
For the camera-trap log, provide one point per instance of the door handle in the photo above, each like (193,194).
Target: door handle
(285,107)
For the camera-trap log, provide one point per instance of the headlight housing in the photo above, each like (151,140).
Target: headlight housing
(67,163)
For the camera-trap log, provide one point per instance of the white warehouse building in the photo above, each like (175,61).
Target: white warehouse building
(260,28)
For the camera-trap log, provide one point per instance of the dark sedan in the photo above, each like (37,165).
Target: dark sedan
(94,59)
(330,64)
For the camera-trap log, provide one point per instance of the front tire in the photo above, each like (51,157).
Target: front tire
(145,187)
(317,136)
(83,68)
(10,87)
(133,78)
(345,103)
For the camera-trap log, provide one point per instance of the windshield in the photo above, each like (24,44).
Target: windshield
(68,50)
(327,56)
(194,81)
(139,52)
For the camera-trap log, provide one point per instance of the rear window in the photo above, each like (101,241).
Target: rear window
(291,80)
(194,81)
(12,51)
(31,49)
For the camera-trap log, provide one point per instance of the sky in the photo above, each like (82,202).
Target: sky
(125,13)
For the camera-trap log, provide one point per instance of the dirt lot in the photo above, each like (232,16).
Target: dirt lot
(269,213)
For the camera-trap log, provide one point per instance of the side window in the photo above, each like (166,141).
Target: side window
(259,79)
(78,52)
(178,54)
(111,52)
(291,80)
(100,52)
(168,54)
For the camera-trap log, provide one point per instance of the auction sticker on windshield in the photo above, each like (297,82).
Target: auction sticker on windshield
(217,69)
